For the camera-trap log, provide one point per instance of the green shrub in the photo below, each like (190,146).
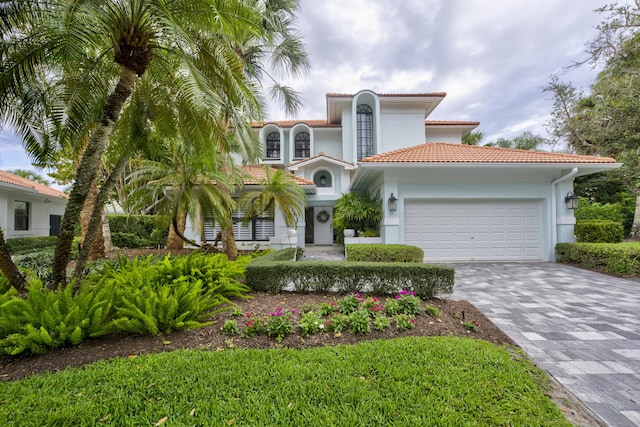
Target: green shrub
(50,319)
(596,211)
(404,322)
(311,323)
(336,323)
(361,211)
(381,323)
(137,231)
(381,278)
(278,324)
(622,259)
(161,295)
(23,245)
(359,322)
(598,231)
(230,327)
(38,263)
(384,253)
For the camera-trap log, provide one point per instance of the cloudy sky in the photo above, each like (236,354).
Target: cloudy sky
(491,57)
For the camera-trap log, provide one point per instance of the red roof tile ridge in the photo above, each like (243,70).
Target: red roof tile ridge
(446,152)
(11,178)
(451,122)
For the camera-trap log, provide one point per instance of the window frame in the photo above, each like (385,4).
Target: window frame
(364,132)
(21,222)
(302,152)
(273,145)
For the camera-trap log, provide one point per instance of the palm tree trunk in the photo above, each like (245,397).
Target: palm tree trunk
(96,221)
(174,241)
(9,269)
(229,245)
(96,243)
(87,170)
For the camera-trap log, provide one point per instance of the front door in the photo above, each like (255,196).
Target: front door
(323,225)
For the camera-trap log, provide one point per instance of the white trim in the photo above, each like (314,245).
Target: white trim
(554,208)
(322,157)
(292,140)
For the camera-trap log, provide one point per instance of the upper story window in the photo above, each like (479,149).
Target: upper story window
(21,215)
(303,145)
(364,131)
(273,146)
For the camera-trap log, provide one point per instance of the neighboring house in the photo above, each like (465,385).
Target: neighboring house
(28,208)
(456,202)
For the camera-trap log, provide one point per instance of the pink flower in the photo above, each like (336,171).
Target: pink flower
(249,314)
(293,312)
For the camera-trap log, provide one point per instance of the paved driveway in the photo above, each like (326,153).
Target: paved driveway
(582,327)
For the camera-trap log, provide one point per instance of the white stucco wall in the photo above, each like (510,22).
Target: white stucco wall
(453,136)
(401,126)
(442,184)
(41,208)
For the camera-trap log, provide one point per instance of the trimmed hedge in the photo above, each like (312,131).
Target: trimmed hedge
(21,245)
(138,231)
(369,252)
(621,259)
(599,231)
(270,275)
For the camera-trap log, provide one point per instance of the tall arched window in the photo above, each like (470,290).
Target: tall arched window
(273,146)
(303,145)
(364,131)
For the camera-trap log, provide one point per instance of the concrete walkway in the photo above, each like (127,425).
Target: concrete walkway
(581,327)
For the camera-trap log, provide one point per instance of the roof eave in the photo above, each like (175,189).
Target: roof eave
(484,165)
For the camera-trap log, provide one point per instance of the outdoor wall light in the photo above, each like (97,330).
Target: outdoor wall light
(393,203)
(571,200)
(323,180)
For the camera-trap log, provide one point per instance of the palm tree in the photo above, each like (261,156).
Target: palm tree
(183,182)
(278,192)
(68,68)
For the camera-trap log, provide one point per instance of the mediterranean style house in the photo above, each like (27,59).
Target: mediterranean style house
(28,208)
(457,202)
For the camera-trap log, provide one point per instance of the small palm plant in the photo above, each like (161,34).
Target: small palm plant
(361,211)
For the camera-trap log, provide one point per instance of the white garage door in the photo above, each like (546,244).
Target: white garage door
(479,230)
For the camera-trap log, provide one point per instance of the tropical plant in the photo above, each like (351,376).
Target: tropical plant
(605,120)
(69,68)
(360,211)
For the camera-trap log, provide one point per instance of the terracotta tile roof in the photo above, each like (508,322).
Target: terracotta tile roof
(292,123)
(442,152)
(10,178)
(256,175)
(450,123)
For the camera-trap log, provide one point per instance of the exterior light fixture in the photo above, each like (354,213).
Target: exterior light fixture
(571,200)
(323,180)
(393,203)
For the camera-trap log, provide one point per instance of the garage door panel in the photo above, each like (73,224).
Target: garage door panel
(474,230)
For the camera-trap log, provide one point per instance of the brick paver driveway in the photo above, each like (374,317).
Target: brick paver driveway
(582,327)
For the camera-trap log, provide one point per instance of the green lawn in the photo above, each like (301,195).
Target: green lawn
(441,381)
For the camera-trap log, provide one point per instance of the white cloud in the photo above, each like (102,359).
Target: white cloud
(492,58)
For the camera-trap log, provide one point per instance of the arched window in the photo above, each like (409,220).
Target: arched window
(273,146)
(364,131)
(322,179)
(303,146)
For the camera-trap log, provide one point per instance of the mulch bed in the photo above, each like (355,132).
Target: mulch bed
(260,304)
